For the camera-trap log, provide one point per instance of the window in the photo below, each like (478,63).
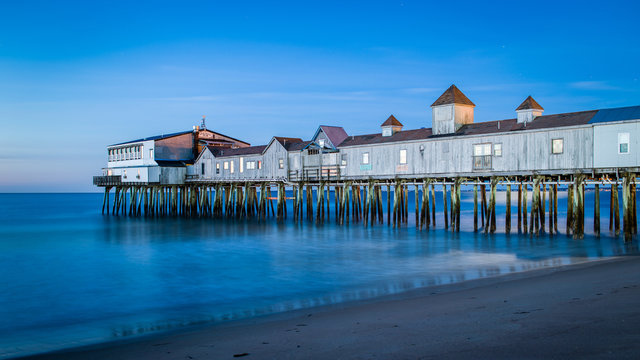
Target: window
(557,146)
(217,168)
(343,160)
(202,170)
(313,151)
(226,165)
(321,142)
(482,156)
(386,131)
(241,164)
(281,163)
(259,165)
(125,174)
(623,143)
(231,166)
(138,176)
(497,149)
(150,154)
(365,158)
(251,165)
(403,156)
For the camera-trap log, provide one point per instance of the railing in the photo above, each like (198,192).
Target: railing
(110,180)
(315,173)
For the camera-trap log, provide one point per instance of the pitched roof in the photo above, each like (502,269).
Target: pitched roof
(392,121)
(480,128)
(222,152)
(336,134)
(377,138)
(616,114)
(297,146)
(453,95)
(287,142)
(529,103)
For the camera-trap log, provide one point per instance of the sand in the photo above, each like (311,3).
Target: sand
(589,310)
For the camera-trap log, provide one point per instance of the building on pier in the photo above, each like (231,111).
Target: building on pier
(161,159)
(531,143)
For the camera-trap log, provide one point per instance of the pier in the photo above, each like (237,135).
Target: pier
(363,202)
(367,179)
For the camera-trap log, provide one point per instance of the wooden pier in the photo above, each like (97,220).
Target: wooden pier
(362,202)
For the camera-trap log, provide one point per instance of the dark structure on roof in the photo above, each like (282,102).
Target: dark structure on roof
(251,150)
(529,103)
(392,121)
(453,95)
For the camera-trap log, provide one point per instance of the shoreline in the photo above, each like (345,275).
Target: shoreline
(412,323)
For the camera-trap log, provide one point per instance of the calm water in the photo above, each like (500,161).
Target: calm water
(70,276)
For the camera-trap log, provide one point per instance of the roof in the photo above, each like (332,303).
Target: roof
(164,136)
(251,150)
(616,114)
(392,121)
(528,104)
(480,128)
(453,95)
(287,141)
(336,134)
(377,138)
(298,146)
(157,137)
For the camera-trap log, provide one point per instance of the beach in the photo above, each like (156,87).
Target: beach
(587,310)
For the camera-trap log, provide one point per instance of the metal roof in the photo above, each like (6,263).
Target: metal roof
(616,114)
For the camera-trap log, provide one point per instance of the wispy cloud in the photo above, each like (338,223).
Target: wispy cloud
(593,85)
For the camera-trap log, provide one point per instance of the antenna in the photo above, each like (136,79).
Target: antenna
(203,126)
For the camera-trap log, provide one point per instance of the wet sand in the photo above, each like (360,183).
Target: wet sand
(588,310)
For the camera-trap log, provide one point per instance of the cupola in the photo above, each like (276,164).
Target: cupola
(528,110)
(391,126)
(451,111)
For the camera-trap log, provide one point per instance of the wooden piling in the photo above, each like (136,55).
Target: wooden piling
(507,223)
(444,205)
(475,207)
(524,208)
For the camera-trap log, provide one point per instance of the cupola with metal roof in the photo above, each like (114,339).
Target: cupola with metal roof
(451,111)
(391,126)
(528,110)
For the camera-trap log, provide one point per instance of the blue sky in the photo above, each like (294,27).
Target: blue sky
(77,76)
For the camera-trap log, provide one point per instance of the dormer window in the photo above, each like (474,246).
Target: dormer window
(391,126)
(321,143)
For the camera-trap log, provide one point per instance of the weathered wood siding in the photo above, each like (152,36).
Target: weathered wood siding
(271,156)
(606,146)
(522,151)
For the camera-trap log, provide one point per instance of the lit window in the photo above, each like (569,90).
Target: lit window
(557,146)
(623,143)
(217,168)
(138,176)
(226,165)
(251,165)
(403,156)
(365,158)
(151,154)
(482,156)
(259,165)
(321,142)
(497,149)
(281,163)
(241,164)
(231,167)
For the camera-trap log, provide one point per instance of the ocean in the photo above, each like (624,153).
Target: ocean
(70,276)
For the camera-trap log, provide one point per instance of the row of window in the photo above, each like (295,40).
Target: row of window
(128,153)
